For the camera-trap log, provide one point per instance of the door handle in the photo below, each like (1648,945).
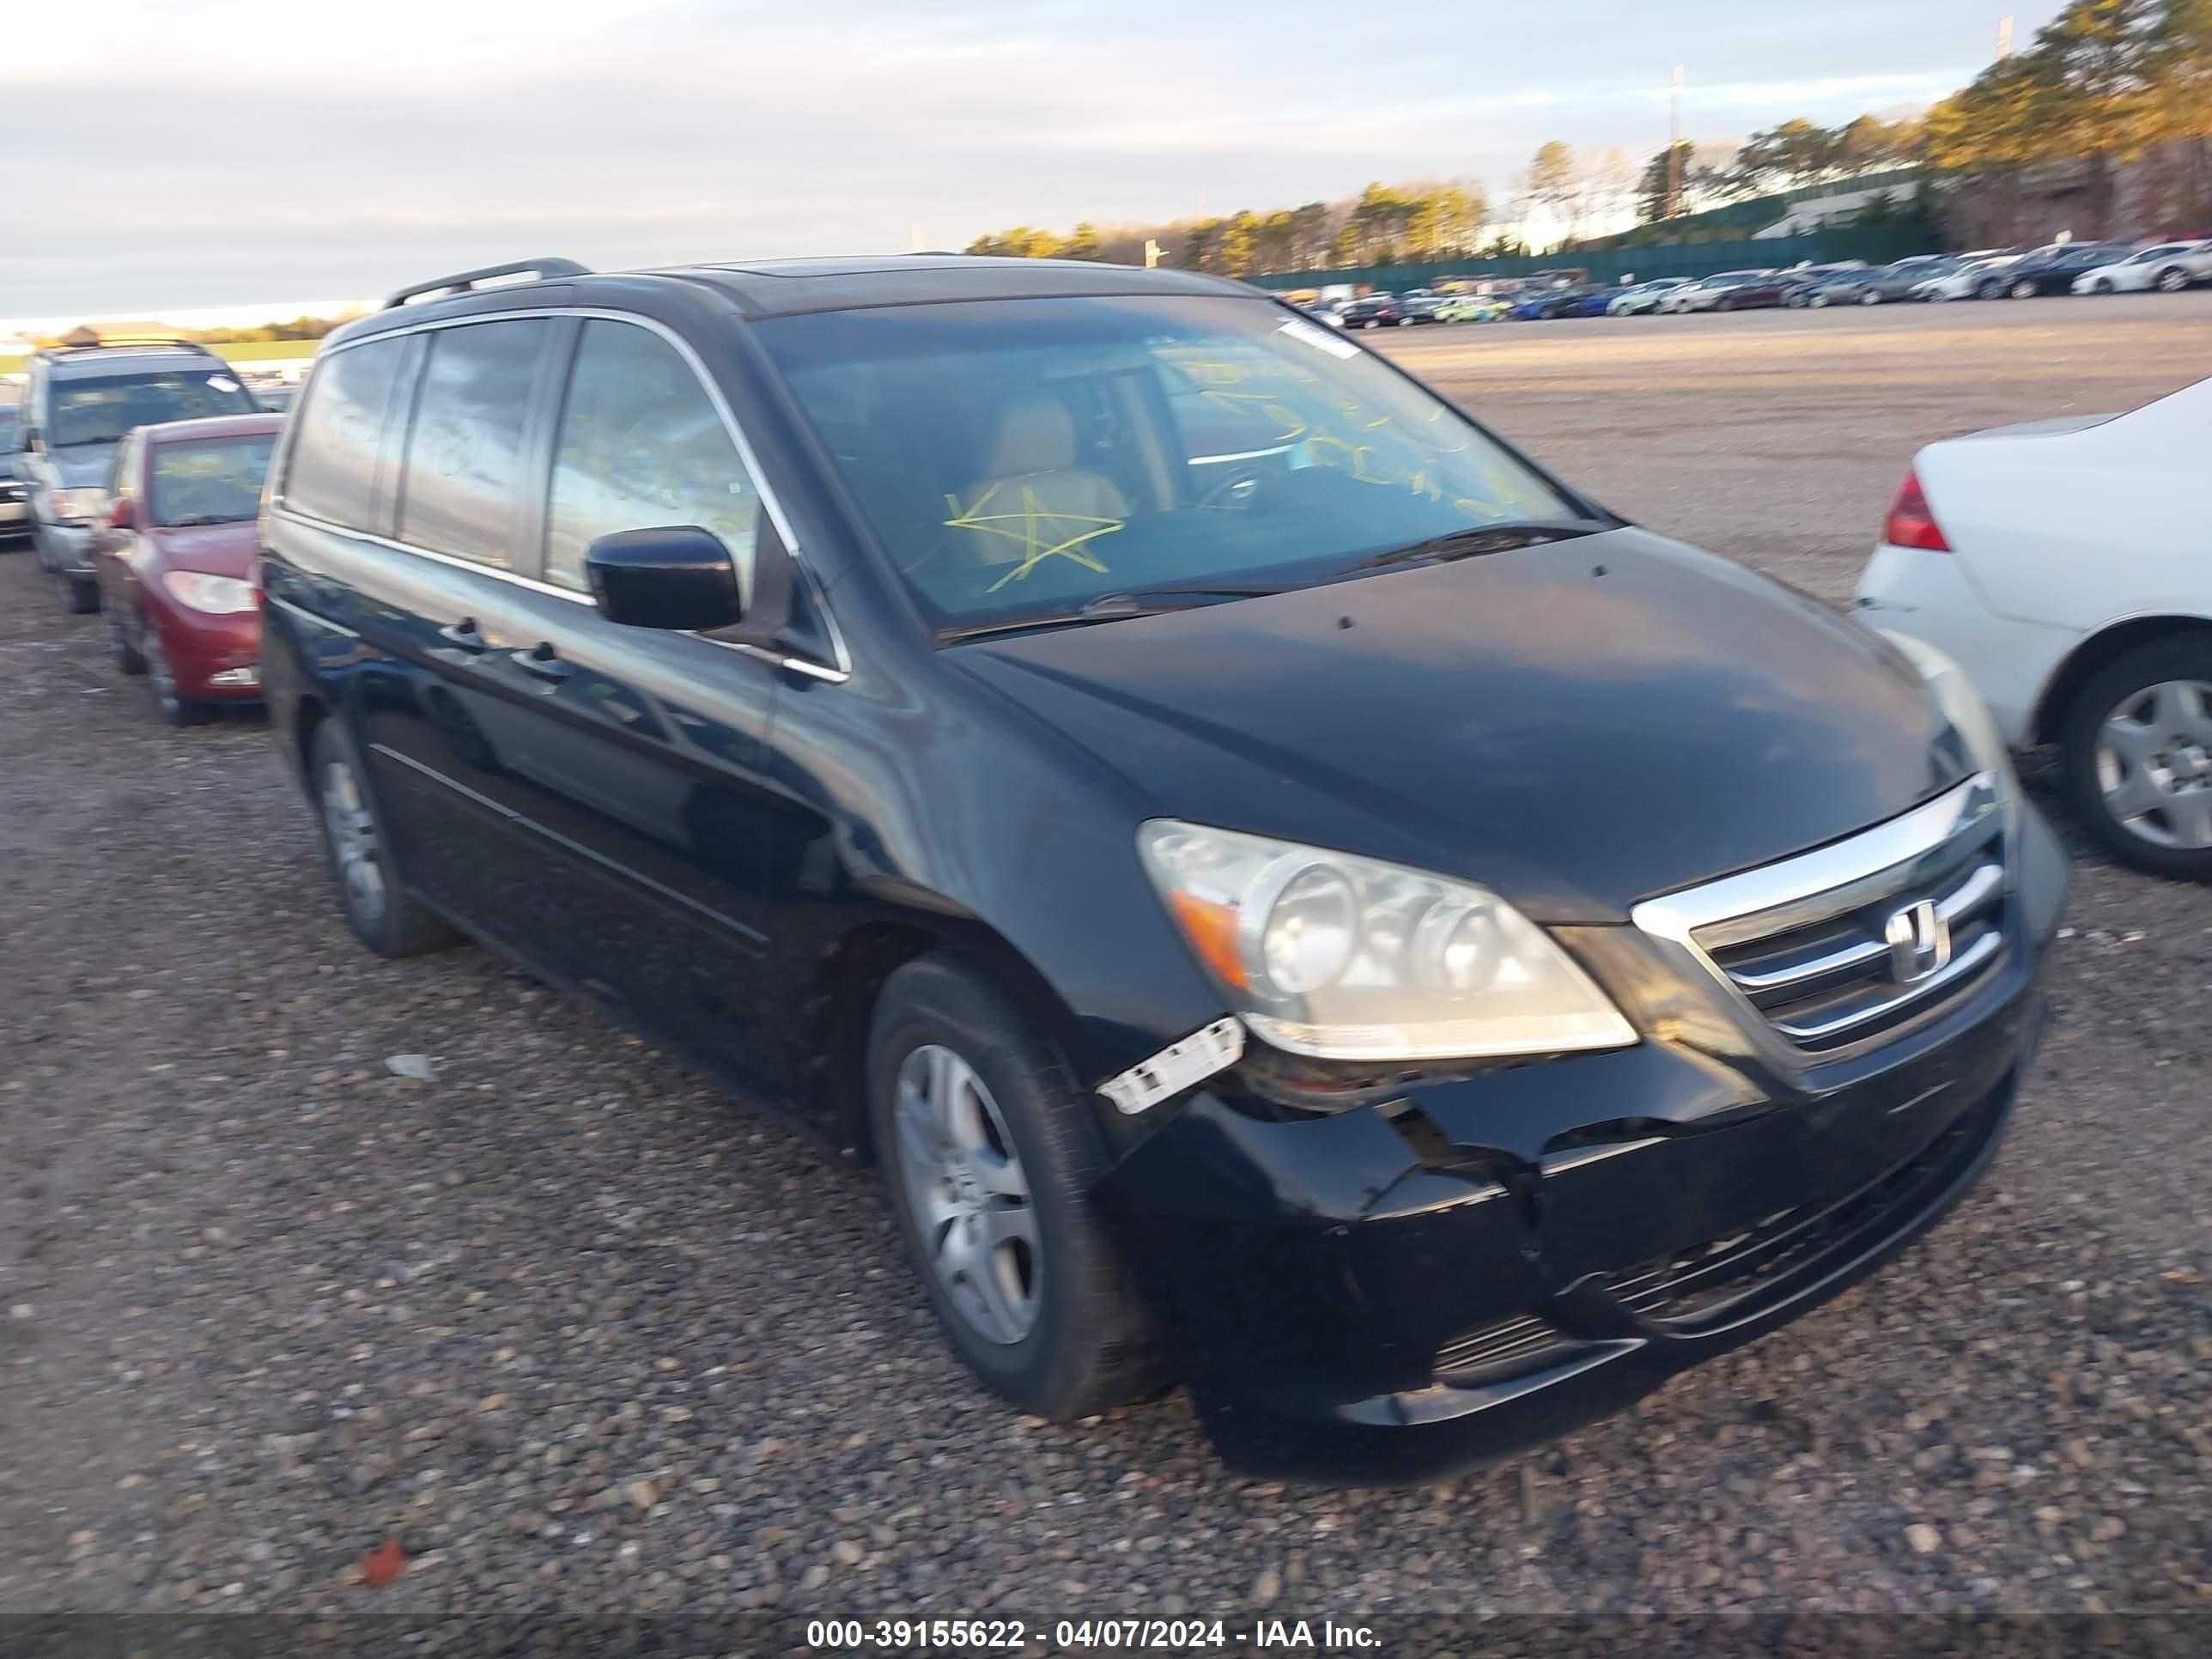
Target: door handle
(542,661)
(464,634)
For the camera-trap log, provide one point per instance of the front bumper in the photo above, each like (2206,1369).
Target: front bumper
(67,548)
(1391,1293)
(216,658)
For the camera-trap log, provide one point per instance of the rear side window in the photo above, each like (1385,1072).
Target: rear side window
(332,471)
(461,490)
(642,446)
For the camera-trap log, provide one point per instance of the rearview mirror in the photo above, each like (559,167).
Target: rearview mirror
(676,576)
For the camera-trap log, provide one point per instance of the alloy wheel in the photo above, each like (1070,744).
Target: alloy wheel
(2172,282)
(2154,764)
(1871,297)
(352,829)
(967,1193)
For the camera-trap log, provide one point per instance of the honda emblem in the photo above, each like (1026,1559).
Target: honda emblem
(1919,941)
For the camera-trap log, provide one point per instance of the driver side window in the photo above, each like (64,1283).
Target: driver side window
(641,444)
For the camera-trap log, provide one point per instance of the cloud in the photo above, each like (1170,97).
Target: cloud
(246,148)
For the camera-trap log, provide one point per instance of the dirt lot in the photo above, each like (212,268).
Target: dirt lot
(583,1334)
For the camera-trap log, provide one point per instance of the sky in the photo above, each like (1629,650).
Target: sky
(161,154)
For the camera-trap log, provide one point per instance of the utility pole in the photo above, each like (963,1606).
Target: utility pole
(1675,145)
(2004,38)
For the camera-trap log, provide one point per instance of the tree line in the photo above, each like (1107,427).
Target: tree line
(2106,82)
(1575,193)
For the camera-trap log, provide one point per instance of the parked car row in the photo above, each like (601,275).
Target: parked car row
(2166,267)
(937,695)
(136,471)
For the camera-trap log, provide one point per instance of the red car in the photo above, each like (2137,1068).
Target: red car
(175,562)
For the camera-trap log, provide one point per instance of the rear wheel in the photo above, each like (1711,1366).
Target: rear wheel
(1819,303)
(2023,290)
(1871,297)
(2136,748)
(1991,290)
(2172,280)
(382,914)
(989,1155)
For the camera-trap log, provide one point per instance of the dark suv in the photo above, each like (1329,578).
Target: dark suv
(79,402)
(1295,899)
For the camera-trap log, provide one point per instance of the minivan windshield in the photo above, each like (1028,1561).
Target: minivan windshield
(1021,459)
(100,409)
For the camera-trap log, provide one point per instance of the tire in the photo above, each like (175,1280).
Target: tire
(161,681)
(2172,280)
(2174,840)
(2102,285)
(1089,1342)
(1871,297)
(1992,290)
(124,654)
(396,924)
(80,594)
(1818,302)
(1406,322)
(2023,290)
(1937,296)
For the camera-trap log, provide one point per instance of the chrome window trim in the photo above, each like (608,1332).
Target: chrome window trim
(306,614)
(843,670)
(797,665)
(1759,899)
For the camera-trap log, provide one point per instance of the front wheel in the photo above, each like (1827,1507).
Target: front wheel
(989,1156)
(1819,303)
(1990,290)
(382,914)
(126,655)
(2136,750)
(2023,290)
(1871,297)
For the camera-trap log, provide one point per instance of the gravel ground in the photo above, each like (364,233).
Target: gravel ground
(582,1333)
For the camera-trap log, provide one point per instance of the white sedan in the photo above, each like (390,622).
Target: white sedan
(1969,280)
(2169,267)
(2066,566)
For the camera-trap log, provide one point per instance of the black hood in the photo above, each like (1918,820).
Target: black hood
(1579,724)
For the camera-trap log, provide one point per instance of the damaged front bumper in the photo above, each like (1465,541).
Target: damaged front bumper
(1470,1266)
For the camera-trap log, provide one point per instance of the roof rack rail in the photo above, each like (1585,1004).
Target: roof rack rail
(462,281)
(138,342)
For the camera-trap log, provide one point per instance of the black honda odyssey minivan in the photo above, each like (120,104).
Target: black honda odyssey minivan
(1297,901)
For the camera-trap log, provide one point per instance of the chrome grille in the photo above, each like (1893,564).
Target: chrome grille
(1842,945)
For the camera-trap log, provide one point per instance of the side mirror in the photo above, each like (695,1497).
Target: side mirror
(676,576)
(33,443)
(122,516)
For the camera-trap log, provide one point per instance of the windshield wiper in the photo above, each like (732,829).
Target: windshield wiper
(1107,607)
(192,519)
(1478,539)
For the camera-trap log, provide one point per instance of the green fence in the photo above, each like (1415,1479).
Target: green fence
(1876,244)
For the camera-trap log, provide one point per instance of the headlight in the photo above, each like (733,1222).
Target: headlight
(219,596)
(1347,958)
(73,506)
(1969,717)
